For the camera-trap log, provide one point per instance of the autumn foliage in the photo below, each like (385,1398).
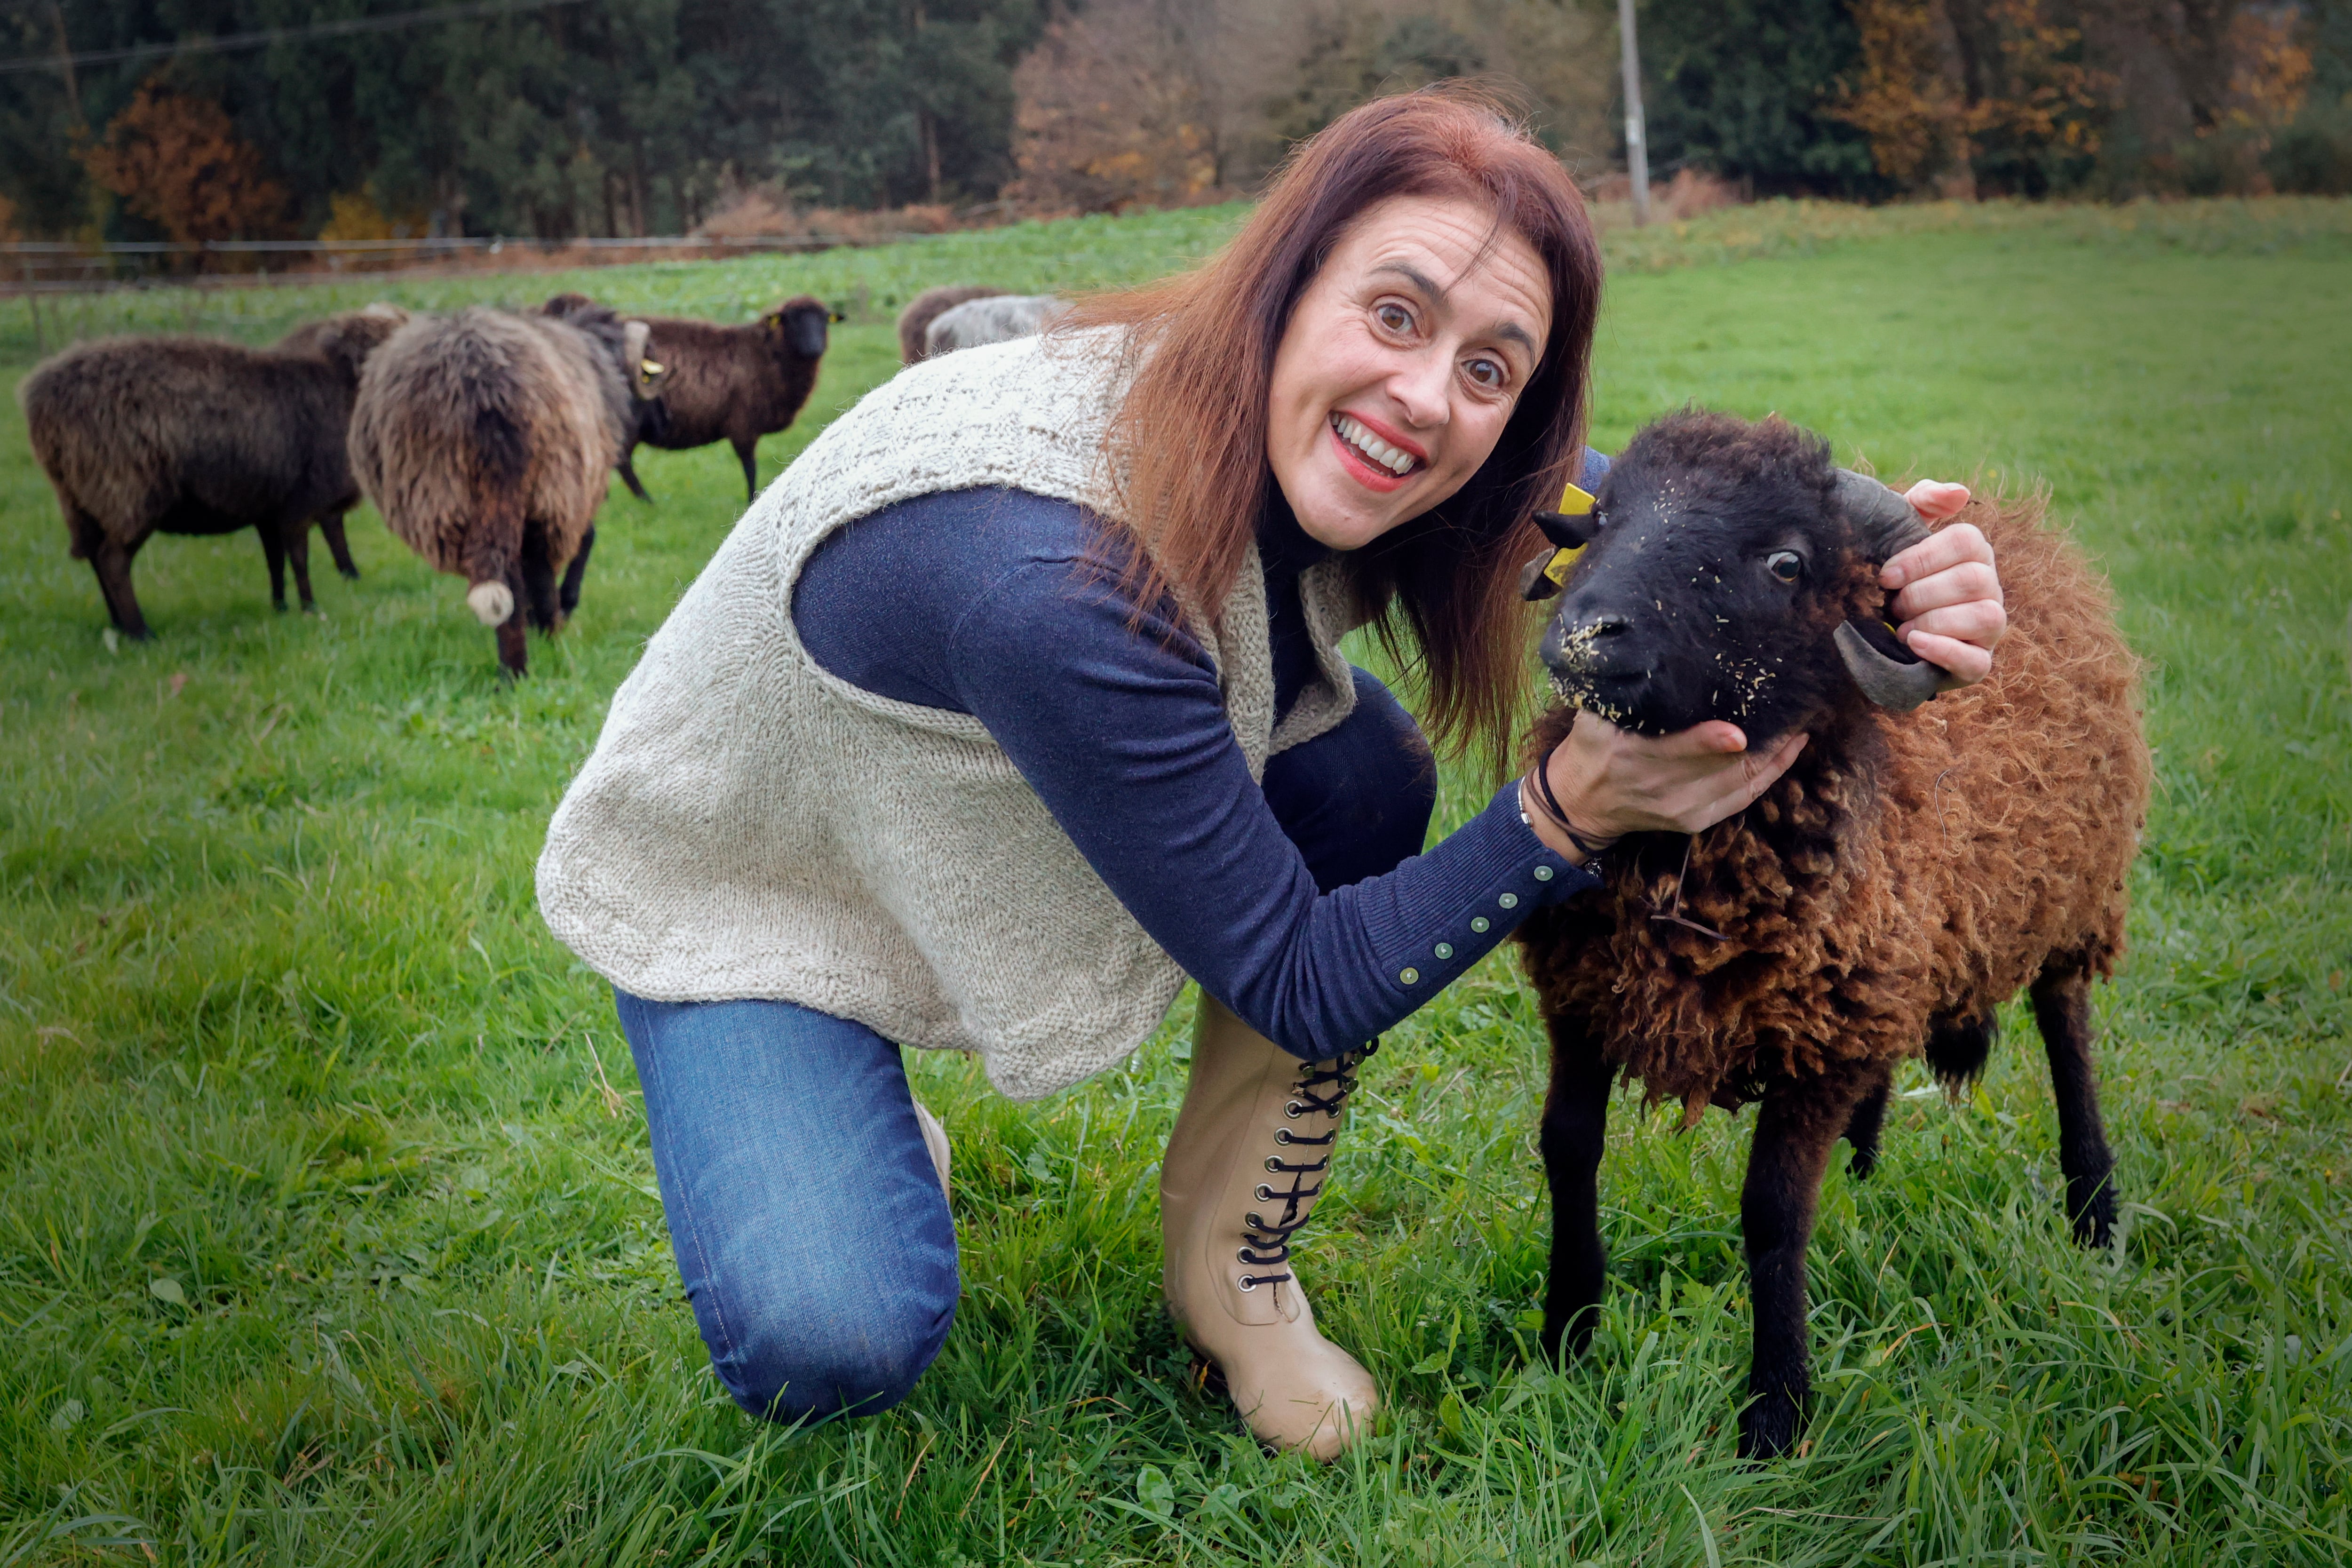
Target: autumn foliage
(176,160)
(1112,112)
(2010,96)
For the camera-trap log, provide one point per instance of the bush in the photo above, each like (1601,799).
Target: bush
(2313,157)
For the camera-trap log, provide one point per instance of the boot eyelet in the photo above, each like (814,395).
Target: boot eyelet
(1273,1165)
(1282,1135)
(1293,1109)
(1264,1194)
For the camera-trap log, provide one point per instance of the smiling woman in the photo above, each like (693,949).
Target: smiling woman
(1018,700)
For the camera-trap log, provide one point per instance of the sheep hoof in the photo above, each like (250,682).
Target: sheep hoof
(492,602)
(1768,1427)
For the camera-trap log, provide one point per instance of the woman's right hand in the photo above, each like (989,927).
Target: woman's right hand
(1612,781)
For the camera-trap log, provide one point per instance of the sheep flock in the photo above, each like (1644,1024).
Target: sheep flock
(1921,864)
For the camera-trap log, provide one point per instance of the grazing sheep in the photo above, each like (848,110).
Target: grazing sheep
(182,434)
(998,320)
(915,321)
(487,440)
(730,383)
(1911,872)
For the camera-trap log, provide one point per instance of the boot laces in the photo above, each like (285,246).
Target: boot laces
(1321,1087)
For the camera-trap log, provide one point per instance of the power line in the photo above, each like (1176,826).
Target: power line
(267,35)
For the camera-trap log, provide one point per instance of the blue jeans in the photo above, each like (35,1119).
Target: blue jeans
(807,1219)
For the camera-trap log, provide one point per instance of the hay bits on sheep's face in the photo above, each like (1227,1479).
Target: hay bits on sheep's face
(1708,591)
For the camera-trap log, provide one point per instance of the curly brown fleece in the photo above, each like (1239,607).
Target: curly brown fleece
(1909,868)
(470,427)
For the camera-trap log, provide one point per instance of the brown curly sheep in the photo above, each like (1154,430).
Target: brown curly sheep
(1911,872)
(186,435)
(488,442)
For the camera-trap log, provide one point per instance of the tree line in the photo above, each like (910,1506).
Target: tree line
(563,118)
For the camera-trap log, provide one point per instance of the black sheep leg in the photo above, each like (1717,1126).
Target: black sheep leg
(273,550)
(110,560)
(568,598)
(538,578)
(628,468)
(332,525)
(1797,1127)
(747,454)
(297,556)
(1575,1118)
(1863,1127)
(2062,1006)
(514,650)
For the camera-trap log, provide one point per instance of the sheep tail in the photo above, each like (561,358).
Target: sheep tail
(500,453)
(493,546)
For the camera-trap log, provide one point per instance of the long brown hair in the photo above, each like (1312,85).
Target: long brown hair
(1444,582)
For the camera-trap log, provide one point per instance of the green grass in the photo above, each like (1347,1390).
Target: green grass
(322,1241)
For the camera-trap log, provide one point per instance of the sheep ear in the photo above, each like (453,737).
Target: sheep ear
(1887,524)
(1888,673)
(1567,531)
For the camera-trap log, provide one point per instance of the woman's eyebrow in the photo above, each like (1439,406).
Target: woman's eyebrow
(1509,331)
(1414,276)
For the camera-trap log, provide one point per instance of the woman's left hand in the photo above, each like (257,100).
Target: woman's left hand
(1949,606)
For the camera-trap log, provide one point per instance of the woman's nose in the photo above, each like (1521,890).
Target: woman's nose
(1421,389)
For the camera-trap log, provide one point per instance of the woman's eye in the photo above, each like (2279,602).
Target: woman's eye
(1395,318)
(1487,373)
(1785,564)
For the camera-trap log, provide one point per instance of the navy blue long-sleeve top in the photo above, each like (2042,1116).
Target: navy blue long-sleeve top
(1010,607)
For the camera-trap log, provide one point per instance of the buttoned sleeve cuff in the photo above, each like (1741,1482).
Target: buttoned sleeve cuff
(1465,896)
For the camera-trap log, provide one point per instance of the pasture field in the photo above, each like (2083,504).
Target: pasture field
(327,1231)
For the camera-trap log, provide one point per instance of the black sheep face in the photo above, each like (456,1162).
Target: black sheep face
(802,325)
(1720,565)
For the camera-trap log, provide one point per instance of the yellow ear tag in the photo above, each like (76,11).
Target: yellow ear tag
(1573,503)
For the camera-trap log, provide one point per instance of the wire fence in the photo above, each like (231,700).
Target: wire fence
(33,266)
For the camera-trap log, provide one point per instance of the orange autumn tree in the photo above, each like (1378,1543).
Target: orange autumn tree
(1953,90)
(176,160)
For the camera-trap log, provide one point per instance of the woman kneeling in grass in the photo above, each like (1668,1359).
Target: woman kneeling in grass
(1018,699)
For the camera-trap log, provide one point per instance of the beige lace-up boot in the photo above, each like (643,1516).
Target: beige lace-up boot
(1252,1148)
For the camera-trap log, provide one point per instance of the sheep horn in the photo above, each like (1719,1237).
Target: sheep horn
(635,336)
(1900,680)
(1885,520)
(1888,673)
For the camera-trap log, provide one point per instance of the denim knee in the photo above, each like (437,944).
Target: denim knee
(785,1360)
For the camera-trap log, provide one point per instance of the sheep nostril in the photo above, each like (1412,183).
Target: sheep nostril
(1606,625)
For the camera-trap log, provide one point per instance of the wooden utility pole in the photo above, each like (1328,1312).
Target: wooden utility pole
(65,64)
(1637,149)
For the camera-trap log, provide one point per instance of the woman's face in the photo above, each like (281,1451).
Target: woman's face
(1401,366)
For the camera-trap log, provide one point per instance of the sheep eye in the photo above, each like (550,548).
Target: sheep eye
(1785,564)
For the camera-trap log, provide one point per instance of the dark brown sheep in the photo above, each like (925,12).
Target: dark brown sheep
(915,321)
(487,440)
(725,383)
(183,435)
(1911,872)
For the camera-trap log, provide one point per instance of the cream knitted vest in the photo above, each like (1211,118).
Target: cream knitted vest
(750,825)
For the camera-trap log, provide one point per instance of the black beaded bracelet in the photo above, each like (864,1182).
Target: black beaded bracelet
(1593,848)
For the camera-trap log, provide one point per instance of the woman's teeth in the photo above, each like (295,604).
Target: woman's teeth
(1371,445)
